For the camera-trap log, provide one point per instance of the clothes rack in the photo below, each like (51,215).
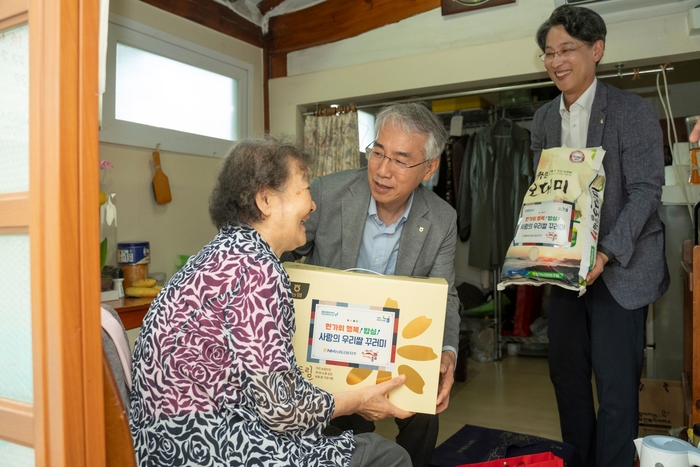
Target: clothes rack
(478,118)
(635,73)
(497,317)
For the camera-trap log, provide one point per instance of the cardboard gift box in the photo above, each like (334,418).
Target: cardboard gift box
(354,330)
(660,407)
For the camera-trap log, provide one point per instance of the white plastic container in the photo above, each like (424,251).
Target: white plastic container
(513,348)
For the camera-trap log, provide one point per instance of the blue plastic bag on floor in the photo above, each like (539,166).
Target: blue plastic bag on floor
(472,444)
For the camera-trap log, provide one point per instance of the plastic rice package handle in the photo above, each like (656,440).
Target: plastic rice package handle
(557,234)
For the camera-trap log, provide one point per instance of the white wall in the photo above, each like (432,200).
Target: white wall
(182,226)
(179,227)
(684,97)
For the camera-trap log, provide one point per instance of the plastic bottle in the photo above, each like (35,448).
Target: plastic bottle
(694,170)
(695,440)
(119,282)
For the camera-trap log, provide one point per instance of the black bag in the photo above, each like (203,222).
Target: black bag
(470,296)
(473,444)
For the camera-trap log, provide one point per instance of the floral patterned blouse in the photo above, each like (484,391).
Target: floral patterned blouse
(215,381)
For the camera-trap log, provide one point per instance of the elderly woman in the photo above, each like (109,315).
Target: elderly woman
(215,381)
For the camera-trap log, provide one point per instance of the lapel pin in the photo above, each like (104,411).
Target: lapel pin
(601,121)
(420,229)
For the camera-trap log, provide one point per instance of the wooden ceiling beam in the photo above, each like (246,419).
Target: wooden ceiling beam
(335,20)
(267,5)
(214,16)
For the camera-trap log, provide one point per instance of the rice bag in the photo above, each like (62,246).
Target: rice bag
(557,234)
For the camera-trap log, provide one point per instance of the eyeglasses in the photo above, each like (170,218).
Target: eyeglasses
(563,53)
(375,157)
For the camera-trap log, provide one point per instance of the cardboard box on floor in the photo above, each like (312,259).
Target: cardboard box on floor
(355,330)
(660,407)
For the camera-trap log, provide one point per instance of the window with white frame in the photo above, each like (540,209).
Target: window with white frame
(365,126)
(162,89)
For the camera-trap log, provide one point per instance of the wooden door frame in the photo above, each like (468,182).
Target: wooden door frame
(61,214)
(12,13)
(64,233)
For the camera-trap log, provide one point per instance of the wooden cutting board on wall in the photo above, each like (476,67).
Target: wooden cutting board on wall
(161,185)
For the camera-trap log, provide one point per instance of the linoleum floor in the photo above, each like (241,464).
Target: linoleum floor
(514,394)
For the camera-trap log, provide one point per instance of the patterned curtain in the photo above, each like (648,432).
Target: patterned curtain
(333,141)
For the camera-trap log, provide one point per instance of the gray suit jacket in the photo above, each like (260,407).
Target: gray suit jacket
(428,240)
(628,129)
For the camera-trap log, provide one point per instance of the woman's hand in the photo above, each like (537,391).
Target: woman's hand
(371,402)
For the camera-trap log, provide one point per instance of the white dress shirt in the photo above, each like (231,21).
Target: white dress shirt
(574,122)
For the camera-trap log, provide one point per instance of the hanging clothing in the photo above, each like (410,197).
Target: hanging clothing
(450,167)
(458,149)
(445,186)
(496,172)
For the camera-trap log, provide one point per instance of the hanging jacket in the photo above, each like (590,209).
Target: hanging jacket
(496,172)
(445,186)
(458,149)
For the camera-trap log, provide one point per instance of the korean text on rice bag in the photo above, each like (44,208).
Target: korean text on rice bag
(557,234)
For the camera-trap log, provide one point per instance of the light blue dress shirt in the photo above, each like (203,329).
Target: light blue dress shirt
(380,244)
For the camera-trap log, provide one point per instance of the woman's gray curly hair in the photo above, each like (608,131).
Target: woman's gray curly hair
(250,166)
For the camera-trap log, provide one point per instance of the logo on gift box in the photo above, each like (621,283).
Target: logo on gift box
(300,290)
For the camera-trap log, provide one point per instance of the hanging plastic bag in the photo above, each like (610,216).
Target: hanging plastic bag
(557,235)
(108,226)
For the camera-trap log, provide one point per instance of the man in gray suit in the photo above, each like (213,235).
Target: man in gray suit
(381,218)
(603,331)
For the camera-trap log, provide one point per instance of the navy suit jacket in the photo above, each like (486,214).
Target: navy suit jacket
(427,245)
(628,129)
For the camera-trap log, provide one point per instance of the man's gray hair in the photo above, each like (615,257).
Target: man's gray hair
(415,117)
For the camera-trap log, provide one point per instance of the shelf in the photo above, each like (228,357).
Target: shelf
(531,339)
(482,117)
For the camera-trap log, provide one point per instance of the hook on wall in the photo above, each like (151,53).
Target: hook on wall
(619,69)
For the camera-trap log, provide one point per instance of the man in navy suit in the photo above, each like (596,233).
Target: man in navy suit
(381,218)
(603,331)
